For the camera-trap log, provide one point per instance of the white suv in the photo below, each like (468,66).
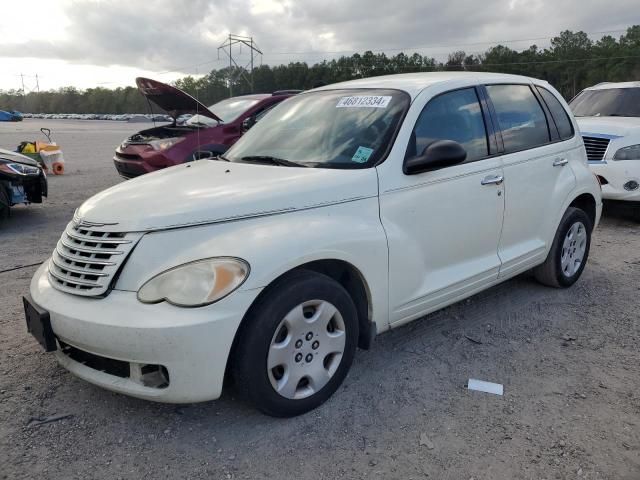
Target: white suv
(609,119)
(346,211)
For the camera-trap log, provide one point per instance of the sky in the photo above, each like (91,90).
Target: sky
(89,43)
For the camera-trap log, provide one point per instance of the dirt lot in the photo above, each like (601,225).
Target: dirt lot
(569,361)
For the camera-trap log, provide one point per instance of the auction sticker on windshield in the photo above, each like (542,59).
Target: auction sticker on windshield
(362,155)
(364,101)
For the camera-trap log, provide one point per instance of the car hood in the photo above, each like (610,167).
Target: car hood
(17,158)
(210,191)
(609,126)
(171,99)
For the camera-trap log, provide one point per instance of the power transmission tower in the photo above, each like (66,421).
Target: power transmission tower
(227,48)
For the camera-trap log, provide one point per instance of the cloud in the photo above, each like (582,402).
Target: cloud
(159,35)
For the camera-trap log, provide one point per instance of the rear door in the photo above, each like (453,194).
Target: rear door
(536,172)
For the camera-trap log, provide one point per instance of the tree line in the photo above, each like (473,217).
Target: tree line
(572,62)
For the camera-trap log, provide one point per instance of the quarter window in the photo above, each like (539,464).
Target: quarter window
(560,117)
(520,116)
(451,116)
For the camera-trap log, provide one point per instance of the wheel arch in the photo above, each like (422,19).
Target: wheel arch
(587,203)
(343,272)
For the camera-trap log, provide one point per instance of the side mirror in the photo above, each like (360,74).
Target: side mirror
(248,122)
(439,154)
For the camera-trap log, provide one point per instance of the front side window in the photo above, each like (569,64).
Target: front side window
(350,128)
(453,116)
(520,116)
(560,116)
(611,102)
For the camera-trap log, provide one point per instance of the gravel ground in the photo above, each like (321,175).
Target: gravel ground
(569,361)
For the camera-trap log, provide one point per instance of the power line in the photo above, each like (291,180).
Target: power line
(183,68)
(426,47)
(419,47)
(479,65)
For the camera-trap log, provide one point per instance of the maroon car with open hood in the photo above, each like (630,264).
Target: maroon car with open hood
(208,133)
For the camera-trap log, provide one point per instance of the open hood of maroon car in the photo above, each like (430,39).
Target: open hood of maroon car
(171,99)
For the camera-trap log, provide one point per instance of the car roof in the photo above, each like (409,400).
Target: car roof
(414,83)
(252,96)
(610,85)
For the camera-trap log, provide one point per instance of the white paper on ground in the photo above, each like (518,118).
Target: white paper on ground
(488,387)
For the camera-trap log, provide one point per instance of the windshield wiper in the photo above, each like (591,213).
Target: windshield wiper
(272,160)
(222,157)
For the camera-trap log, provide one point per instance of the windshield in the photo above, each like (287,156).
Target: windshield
(612,102)
(329,129)
(227,110)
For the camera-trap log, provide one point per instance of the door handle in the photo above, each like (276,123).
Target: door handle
(560,162)
(492,180)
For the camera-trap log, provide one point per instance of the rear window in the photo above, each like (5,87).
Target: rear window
(520,116)
(560,116)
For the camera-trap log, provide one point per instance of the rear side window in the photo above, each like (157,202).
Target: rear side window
(520,116)
(560,117)
(451,116)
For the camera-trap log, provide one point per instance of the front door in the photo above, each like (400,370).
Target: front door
(443,226)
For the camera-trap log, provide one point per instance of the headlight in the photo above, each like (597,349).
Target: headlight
(632,152)
(197,283)
(165,143)
(18,169)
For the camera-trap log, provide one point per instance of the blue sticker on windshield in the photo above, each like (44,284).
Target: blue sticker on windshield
(362,155)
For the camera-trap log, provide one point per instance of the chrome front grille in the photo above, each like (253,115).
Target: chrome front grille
(87,258)
(596,147)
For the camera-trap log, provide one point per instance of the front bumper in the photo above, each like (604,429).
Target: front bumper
(129,168)
(616,174)
(193,344)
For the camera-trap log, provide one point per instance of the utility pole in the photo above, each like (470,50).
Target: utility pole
(23,95)
(227,48)
(38,96)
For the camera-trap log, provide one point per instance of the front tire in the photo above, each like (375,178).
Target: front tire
(569,252)
(296,345)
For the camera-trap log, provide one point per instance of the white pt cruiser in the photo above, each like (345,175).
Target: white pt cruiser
(346,211)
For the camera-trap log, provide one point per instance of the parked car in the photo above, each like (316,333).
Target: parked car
(22,180)
(10,116)
(196,132)
(346,211)
(609,118)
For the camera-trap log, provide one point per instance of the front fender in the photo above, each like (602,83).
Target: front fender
(274,245)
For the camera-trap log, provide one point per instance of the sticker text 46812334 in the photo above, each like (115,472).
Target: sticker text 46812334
(364,101)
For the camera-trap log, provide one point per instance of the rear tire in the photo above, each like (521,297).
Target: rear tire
(296,345)
(569,252)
